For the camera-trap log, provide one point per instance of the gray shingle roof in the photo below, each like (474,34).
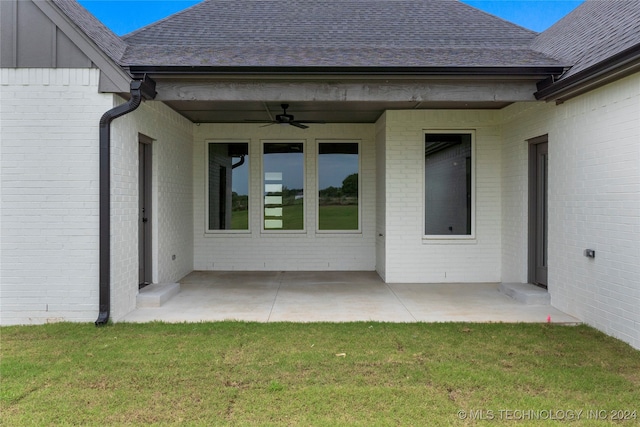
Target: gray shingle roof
(364,33)
(102,36)
(304,33)
(592,33)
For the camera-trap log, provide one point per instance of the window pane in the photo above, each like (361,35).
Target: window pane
(229,186)
(283,186)
(338,186)
(448,184)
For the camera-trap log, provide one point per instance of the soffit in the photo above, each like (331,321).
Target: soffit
(330,112)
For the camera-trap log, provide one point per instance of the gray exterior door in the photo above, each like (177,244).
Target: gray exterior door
(538,212)
(144,213)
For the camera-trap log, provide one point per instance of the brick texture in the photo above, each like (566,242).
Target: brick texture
(49,194)
(594,202)
(408,256)
(172,200)
(308,250)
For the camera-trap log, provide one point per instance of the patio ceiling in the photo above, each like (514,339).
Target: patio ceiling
(330,112)
(339,99)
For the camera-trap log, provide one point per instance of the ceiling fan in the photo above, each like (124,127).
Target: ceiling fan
(286,119)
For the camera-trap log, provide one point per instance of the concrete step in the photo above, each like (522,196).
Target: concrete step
(156,294)
(526,293)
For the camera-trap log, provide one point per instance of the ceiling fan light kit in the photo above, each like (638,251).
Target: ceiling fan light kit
(286,119)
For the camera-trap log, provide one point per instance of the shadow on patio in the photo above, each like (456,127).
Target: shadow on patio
(336,297)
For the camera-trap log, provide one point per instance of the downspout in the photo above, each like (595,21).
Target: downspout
(139,90)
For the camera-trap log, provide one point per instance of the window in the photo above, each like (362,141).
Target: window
(448,184)
(228,186)
(283,164)
(338,186)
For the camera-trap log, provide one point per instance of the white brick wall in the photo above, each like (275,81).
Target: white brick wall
(409,257)
(296,251)
(172,200)
(515,190)
(49,191)
(381,206)
(49,194)
(594,202)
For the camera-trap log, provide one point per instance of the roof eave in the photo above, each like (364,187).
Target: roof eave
(538,72)
(114,76)
(615,67)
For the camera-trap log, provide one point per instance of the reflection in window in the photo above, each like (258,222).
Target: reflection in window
(338,186)
(448,193)
(228,186)
(283,186)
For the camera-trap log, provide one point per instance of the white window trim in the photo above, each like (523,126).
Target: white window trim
(446,238)
(317,189)
(207,231)
(305,155)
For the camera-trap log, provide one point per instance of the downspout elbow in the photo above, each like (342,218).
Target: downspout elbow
(139,89)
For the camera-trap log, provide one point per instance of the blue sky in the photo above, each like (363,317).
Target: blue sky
(124,16)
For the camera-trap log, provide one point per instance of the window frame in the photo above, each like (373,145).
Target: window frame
(268,231)
(209,231)
(450,238)
(317,189)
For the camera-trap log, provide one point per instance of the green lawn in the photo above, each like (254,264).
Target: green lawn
(332,217)
(338,217)
(240,220)
(292,217)
(313,374)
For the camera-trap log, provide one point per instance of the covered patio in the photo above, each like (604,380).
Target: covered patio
(329,296)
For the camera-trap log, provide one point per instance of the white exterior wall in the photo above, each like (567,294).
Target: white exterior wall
(594,202)
(172,200)
(515,190)
(49,259)
(381,205)
(307,250)
(49,194)
(409,256)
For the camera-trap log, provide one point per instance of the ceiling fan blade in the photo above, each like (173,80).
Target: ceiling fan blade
(269,124)
(260,121)
(298,125)
(321,122)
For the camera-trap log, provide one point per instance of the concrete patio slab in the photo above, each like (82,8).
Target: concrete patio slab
(337,297)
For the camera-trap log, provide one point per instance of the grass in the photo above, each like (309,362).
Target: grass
(332,217)
(312,374)
(240,220)
(338,217)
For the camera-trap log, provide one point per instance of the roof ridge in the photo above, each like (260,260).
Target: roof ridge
(166,18)
(498,17)
(591,33)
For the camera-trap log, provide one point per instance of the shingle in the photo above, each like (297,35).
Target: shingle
(342,56)
(103,37)
(593,32)
(333,33)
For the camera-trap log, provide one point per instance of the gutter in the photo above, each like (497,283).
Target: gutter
(617,66)
(143,89)
(524,71)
